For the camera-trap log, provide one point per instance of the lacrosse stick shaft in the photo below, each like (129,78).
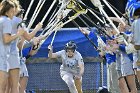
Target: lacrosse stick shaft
(51,29)
(36,12)
(58,27)
(52,24)
(59,11)
(117,10)
(84,22)
(63,16)
(48,11)
(36,9)
(25,17)
(48,33)
(90,28)
(76,24)
(96,16)
(54,12)
(98,27)
(113,25)
(103,17)
(113,11)
(53,37)
(97,3)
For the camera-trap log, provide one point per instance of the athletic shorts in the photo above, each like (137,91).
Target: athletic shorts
(138,55)
(23,70)
(127,69)
(62,73)
(119,74)
(14,61)
(135,59)
(118,62)
(4,65)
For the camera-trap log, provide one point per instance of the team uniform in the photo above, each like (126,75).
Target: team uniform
(14,59)
(126,65)
(23,68)
(70,68)
(118,65)
(135,29)
(126,61)
(5,28)
(135,59)
(111,60)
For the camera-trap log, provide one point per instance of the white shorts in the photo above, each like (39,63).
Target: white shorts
(14,61)
(62,73)
(119,74)
(118,62)
(138,54)
(135,58)
(23,70)
(4,65)
(127,69)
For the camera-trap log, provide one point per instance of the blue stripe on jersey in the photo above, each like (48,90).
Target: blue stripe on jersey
(129,3)
(92,35)
(110,58)
(130,56)
(122,48)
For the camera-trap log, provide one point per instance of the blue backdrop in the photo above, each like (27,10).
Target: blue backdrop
(65,35)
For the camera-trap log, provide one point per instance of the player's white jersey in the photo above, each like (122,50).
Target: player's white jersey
(70,64)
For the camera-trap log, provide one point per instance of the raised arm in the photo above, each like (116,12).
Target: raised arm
(29,36)
(51,54)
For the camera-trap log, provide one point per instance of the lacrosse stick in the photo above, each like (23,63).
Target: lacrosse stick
(114,12)
(36,12)
(96,16)
(25,17)
(61,24)
(97,3)
(48,11)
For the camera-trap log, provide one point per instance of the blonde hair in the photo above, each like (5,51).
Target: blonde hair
(17,4)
